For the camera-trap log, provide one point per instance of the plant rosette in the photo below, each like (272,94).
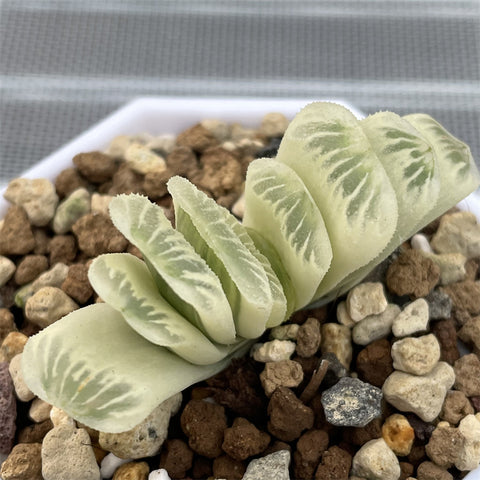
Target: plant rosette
(340,195)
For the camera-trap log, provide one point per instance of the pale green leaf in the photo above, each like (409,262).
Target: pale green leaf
(410,164)
(125,282)
(278,205)
(459,175)
(327,148)
(225,245)
(183,277)
(102,373)
(269,251)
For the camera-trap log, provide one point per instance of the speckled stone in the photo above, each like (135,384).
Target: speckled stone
(271,467)
(351,403)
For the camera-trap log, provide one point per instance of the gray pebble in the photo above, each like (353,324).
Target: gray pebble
(271,467)
(439,305)
(352,403)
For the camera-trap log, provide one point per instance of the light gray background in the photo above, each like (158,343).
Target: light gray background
(66,64)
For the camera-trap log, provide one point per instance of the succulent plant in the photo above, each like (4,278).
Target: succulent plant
(339,197)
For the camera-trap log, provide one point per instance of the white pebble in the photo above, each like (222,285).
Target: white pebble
(375,327)
(273,351)
(416,355)
(421,394)
(61,417)
(143,160)
(469,457)
(100,203)
(7,269)
(337,339)
(420,242)
(38,197)
(110,463)
(146,438)
(219,128)
(412,319)
(39,410)
(366,299)
(22,391)
(164,143)
(48,305)
(285,332)
(160,474)
(343,317)
(376,461)
(452,266)
(238,208)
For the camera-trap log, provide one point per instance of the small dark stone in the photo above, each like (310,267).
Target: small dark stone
(335,370)
(352,403)
(423,430)
(270,150)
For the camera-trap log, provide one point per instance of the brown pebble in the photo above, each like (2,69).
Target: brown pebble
(68,181)
(444,446)
(182,161)
(204,423)
(34,433)
(310,447)
(202,468)
(238,387)
(412,274)
(243,440)
(62,249)
(467,375)
(16,236)
(132,471)
(455,407)
(77,285)
(406,470)
(42,240)
(308,338)
(96,234)
(24,462)
(220,174)
(335,465)
(7,323)
(446,335)
(125,180)
(29,268)
(227,467)
(288,416)
(465,296)
(198,138)
(96,167)
(431,471)
(358,436)
(176,458)
(374,362)
(470,332)
(155,183)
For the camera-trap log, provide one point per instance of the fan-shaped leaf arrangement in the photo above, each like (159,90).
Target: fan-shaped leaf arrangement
(340,196)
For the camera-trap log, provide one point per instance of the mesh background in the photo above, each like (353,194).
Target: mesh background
(64,65)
